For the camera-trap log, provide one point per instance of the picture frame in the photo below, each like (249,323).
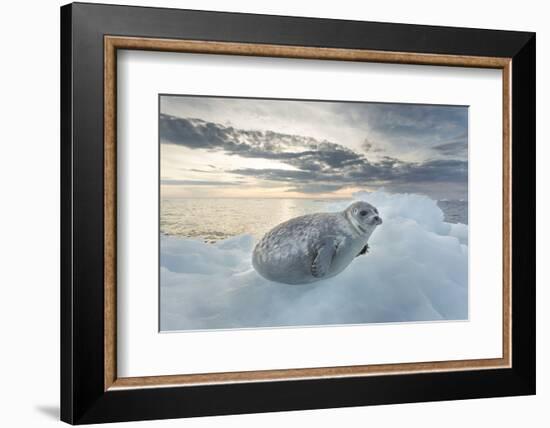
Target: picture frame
(91,36)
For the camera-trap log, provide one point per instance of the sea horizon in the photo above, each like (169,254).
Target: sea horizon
(215,219)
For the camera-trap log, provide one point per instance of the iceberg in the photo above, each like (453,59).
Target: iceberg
(416,270)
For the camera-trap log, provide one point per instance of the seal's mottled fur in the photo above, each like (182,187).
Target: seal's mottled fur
(316,246)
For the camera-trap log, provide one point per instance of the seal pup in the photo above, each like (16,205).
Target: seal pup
(316,246)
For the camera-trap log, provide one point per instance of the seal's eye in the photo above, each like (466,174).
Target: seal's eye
(363,213)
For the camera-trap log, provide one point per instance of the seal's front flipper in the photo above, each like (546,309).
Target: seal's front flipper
(323,258)
(364,250)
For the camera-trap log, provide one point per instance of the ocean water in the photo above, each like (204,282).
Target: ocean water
(454,211)
(212,220)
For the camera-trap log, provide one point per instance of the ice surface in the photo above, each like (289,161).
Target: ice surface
(416,270)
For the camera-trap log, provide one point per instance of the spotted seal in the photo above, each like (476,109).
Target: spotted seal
(315,246)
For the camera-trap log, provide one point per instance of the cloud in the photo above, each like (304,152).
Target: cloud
(416,128)
(319,165)
(386,173)
(370,147)
(316,188)
(277,174)
(199,183)
(453,148)
(407,120)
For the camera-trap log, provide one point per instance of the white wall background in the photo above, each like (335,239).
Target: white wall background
(29,217)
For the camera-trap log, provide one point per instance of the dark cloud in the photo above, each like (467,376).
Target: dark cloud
(388,172)
(320,166)
(453,148)
(370,147)
(199,134)
(198,170)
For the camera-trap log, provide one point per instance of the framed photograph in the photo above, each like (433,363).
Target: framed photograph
(266,213)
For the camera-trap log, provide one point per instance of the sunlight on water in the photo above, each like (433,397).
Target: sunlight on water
(212,220)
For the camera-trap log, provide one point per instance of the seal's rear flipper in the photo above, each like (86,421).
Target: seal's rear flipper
(323,258)
(364,250)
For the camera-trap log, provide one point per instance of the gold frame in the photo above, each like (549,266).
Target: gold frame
(113,43)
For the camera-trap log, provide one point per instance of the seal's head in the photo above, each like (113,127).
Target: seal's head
(363,216)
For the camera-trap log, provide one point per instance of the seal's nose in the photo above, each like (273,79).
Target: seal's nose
(377,219)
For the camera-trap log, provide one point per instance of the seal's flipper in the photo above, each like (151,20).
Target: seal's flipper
(364,250)
(323,258)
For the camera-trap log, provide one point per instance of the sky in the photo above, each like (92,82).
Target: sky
(242,147)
